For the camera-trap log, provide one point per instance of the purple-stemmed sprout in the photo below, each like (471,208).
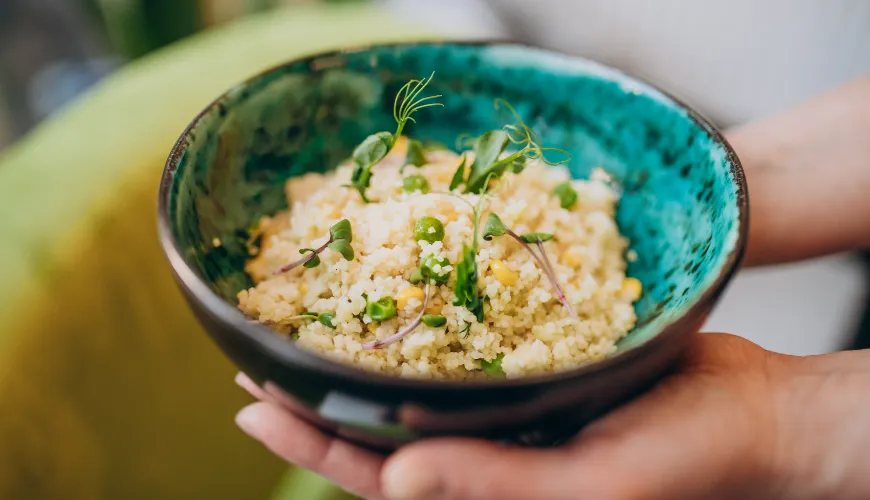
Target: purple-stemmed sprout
(340,237)
(377,344)
(495,227)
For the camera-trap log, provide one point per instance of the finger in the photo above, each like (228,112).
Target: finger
(476,470)
(297,442)
(252,388)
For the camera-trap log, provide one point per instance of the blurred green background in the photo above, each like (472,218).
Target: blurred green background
(108,387)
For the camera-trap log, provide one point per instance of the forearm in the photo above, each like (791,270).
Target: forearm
(808,172)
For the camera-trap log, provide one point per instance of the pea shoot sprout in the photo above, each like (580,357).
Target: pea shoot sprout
(340,237)
(495,227)
(375,147)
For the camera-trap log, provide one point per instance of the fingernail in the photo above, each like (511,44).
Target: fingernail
(403,481)
(248,420)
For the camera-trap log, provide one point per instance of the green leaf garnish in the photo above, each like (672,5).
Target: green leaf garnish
(372,150)
(466,289)
(493,227)
(536,237)
(458,176)
(382,309)
(342,247)
(566,194)
(341,230)
(464,332)
(294,336)
(415,183)
(305,315)
(493,368)
(487,150)
(375,147)
(312,261)
(340,236)
(326,320)
(434,320)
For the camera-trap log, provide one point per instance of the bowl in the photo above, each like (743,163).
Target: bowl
(684,209)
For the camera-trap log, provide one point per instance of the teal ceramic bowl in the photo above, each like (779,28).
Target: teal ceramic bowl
(684,208)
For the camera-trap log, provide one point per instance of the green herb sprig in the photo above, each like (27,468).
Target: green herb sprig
(375,147)
(324,319)
(494,227)
(489,147)
(340,237)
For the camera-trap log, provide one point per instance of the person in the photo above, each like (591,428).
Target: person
(733,421)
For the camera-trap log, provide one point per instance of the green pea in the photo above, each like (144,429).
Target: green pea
(434,320)
(428,229)
(414,183)
(382,309)
(566,194)
(427,269)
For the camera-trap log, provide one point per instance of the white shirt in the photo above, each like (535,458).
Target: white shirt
(734,61)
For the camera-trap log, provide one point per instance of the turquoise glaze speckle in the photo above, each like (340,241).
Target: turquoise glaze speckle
(682,200)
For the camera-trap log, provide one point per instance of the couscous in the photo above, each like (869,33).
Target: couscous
(406,262)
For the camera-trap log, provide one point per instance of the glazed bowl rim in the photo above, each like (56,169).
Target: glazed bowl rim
(267,342)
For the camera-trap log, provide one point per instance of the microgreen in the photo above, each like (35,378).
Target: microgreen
(322,318)
(458,176)
(466,288)
(536,237)
(566,194)
(493,368)
(494,227)
(325,319)
(421,318)
(489,160)
(375,147)
(340,237)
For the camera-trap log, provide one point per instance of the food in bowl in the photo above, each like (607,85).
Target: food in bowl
(415,261)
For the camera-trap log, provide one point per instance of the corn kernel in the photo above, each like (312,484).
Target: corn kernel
(631,288)
(407,294)
(372,327)
(571,258)
(442,176)
(503,274)
(449,214)
(303,288)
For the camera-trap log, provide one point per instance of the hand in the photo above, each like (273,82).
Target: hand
(735,421)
